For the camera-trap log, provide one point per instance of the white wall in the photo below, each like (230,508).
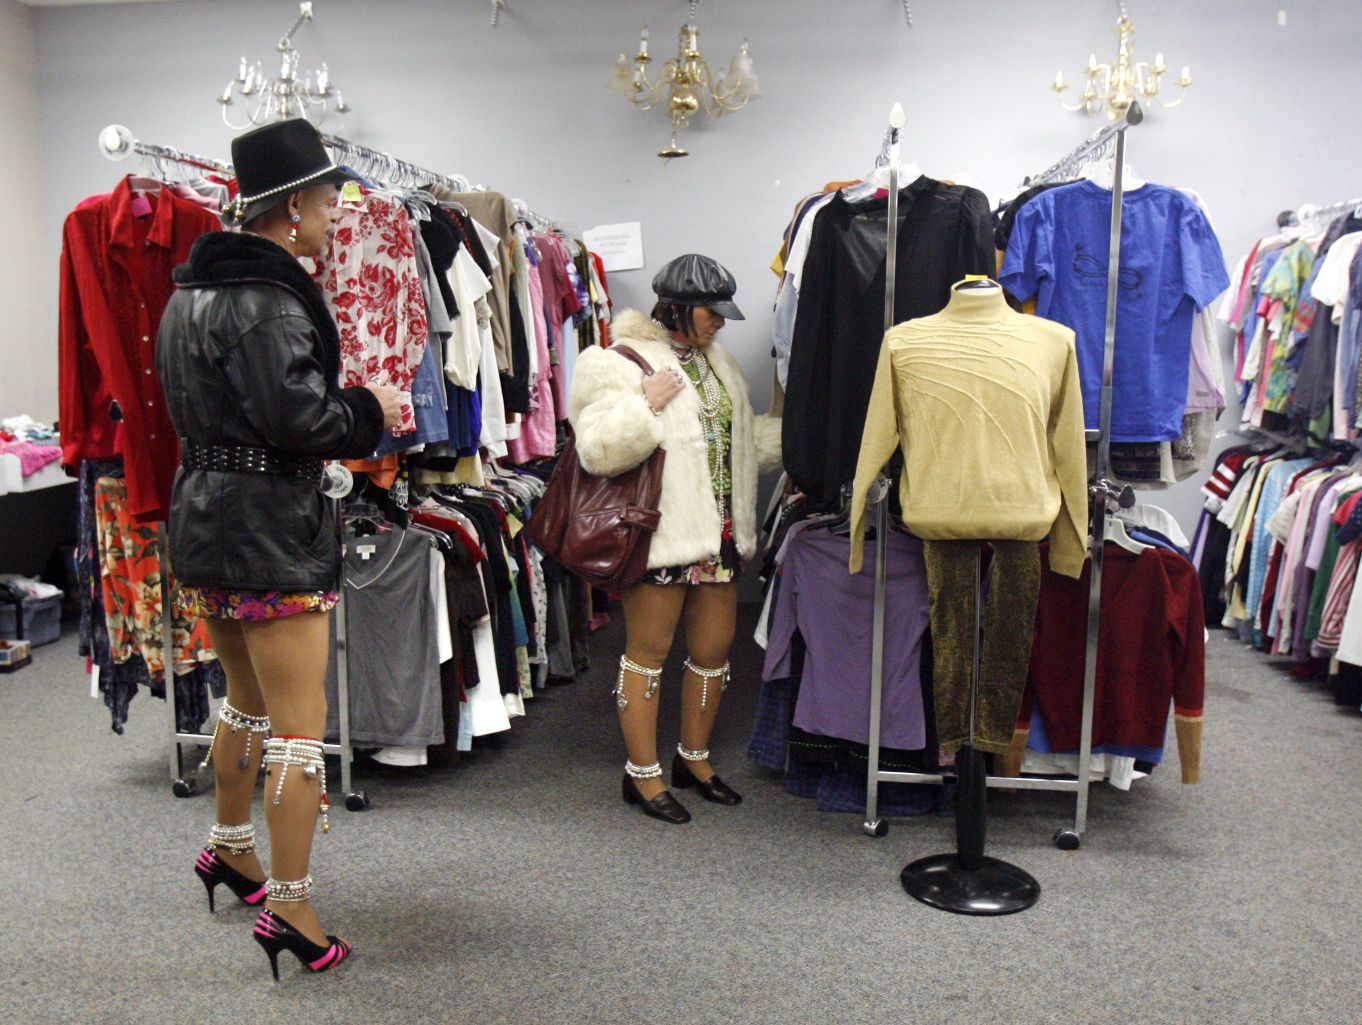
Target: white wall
(1270,123)
(28,356)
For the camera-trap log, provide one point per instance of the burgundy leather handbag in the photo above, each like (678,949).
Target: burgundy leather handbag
(601,527)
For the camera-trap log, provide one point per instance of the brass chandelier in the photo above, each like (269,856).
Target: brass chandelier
(1114,87)
(686,82)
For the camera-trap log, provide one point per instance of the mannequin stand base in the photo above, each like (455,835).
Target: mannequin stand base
(994,888)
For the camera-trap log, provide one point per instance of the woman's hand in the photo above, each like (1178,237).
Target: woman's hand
(388,398)
(661,387)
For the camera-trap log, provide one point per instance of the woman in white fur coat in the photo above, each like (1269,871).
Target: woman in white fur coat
(695,406)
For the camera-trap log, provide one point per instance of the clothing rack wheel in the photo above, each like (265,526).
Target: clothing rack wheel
(877,828)
(357,800)
(1067,840)
(185,787)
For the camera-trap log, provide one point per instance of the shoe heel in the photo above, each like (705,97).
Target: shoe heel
(682,777)
(630,793)
(210,884)
(271,947)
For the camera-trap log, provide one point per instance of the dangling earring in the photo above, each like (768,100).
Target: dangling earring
(293,231)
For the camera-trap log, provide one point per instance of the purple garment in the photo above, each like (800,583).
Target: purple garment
(832,609)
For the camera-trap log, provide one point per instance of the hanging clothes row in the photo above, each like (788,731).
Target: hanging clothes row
(118,251)
(826,338)
(482,624)
(1277,550)
(412,280)
(1295,309)
(1151,660)
(448,297)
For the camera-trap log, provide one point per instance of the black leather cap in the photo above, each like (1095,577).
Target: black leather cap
(276,160)
(695,280)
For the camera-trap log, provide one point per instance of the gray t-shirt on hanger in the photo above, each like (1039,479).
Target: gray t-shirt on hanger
(394,666)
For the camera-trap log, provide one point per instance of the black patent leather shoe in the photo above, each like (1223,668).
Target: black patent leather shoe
(664,806)
(713,789)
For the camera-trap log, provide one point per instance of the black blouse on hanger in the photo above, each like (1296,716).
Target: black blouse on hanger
(945,232)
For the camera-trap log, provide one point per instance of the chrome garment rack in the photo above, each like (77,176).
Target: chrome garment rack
(1105,497)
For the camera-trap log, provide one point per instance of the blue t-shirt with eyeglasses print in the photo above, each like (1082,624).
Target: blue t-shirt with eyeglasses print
(1171,267)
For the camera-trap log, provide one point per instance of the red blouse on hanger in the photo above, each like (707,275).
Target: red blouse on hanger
(118,252)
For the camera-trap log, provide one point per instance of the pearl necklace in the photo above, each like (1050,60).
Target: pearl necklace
(711,419)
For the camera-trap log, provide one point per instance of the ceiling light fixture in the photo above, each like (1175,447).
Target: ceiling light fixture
(686,81)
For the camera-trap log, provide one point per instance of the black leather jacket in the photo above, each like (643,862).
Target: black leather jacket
(248,355)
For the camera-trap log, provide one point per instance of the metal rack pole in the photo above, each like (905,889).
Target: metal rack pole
(355,800)
(1099,504)
(896,120)
(181,784)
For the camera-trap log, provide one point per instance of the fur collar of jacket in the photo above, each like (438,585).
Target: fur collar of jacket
(616,431)
(237,258)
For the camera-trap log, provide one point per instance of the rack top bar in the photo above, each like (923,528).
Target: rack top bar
(1311,212)
(122,145)
(1097,141)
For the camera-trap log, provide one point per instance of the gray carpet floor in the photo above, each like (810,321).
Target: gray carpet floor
(518,888)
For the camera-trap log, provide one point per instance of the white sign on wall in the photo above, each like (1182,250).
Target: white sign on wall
(620,246)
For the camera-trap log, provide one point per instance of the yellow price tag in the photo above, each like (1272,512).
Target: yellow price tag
(350,192)
(514,524)
(976,277)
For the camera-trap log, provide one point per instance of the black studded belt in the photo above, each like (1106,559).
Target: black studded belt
(244,459)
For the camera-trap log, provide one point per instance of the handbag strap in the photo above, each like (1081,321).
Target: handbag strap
(630,354)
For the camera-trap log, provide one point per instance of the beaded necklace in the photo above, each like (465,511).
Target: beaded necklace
(715,416)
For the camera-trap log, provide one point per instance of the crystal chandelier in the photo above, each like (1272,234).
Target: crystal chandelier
(687,82)
(265,99)
(1113,87)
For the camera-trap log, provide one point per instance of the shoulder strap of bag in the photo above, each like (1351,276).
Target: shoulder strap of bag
(630,354)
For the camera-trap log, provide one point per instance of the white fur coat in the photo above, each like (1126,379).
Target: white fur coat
(616,431)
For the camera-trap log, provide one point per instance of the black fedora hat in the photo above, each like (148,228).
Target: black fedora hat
(695,280)
(276,160)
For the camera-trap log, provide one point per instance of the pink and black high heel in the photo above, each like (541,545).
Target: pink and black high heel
(213,871)
(274,934)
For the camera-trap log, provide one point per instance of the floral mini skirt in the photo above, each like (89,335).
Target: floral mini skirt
(718,569)
(222,603)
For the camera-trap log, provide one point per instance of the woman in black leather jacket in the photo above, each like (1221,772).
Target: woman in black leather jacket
(249,358)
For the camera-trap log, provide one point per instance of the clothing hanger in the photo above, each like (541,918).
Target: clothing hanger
(879,179)
(1103,173)
(1116,533)
(442,540)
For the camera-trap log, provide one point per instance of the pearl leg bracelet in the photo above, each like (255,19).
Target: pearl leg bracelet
(288,892)
(692,756)
(653,771)
(652,675)
(236,720)
(705,676)
(306,753)
(237,839)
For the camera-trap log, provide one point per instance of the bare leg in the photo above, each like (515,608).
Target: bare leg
(289,656)
(651,613)
(234,785)
(711,621)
